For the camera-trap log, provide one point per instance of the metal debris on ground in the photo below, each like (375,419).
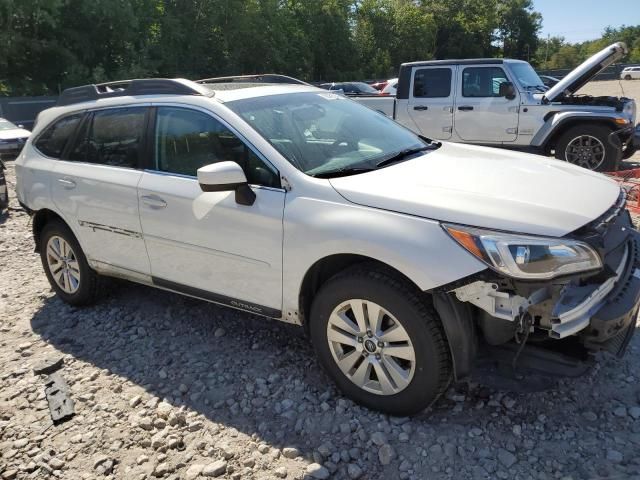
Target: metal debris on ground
(60,404)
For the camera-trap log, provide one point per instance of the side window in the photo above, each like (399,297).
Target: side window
(482,81)
(111,137)
(186,140)
(432,83)
(52,141)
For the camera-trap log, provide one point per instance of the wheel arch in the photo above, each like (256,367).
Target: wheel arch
(326,268)
(557,124)
(40,219)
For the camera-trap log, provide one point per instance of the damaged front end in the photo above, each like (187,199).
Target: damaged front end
(592,308)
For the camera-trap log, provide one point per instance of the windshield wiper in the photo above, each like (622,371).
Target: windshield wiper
(343,172)
(405,153)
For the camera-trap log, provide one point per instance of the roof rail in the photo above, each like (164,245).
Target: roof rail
(258,78)
(125,88)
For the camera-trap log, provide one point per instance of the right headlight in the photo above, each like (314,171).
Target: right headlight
(526,257)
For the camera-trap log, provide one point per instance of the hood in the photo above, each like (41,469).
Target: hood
(486,187)
(14,133)
(584,72)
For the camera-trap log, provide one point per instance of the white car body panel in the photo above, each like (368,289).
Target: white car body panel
(14,133)
(101,202)
(206,240)
(589,68)
(501,191)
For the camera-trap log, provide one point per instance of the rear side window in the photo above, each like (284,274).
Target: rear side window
(111,137)
(53,139)
(432,83)
(482,81)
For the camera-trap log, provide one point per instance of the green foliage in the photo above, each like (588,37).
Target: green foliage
(560,54)
(49,45)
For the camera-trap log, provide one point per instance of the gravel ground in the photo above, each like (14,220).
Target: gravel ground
(169,387)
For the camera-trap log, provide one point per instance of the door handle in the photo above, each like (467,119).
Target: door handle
(67,183)
(465,108)
(153,201)
(421,107)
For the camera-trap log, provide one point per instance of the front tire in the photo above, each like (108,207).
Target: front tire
(627,77)
(66,266)
(589,146)
(380,342)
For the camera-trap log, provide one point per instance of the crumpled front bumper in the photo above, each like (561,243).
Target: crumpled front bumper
(606,311)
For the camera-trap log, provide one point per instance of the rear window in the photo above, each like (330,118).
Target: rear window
(432,83)
(52,140)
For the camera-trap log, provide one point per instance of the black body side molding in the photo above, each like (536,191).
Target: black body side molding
(217,298)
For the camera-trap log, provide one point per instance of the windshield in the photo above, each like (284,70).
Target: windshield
(322,133)
(6,125)
(526,75)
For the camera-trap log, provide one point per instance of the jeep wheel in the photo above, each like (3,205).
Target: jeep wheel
(66,266)
(590,147)
(382,345)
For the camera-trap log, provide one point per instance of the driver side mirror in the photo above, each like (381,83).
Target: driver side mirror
(226,177)
(507,91)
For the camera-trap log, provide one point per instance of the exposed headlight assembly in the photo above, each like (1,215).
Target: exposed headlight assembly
(525,257)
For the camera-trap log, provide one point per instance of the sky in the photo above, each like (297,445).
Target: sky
(580,20)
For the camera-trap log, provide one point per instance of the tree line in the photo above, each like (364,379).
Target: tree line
(48,45)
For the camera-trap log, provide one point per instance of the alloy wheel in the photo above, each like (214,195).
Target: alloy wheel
(585,151)
(63,264)
(371,347)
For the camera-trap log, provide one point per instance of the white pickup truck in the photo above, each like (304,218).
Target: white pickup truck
(503,102)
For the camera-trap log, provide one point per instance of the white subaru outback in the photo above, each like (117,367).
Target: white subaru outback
(403,258)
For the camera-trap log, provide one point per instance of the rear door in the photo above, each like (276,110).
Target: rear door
(95,183)
(430,104)
(481,114)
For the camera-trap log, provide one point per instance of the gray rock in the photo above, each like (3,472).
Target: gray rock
(163,410)
(215,469)
(379,438)
(281,472)
(162,469)
(316,470)
(590,416)
(354,471)
(634,412)
(56,463)
(614,456)
(193,472)
(135,401)
(620,412)
(386,454)
(290,452)
(506,458)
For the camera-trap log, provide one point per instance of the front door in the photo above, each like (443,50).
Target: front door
(95,183)
(205,244)
(481,114)
(431,103)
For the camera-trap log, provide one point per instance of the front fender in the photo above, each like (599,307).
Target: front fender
(558,121)
(416,247)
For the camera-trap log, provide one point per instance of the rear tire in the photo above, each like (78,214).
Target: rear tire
(66,266)
(4,192)
(396,361)
(588,146)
